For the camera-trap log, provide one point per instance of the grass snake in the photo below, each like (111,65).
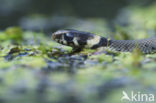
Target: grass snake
(79,40)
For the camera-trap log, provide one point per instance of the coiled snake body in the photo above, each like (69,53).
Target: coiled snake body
(79,40)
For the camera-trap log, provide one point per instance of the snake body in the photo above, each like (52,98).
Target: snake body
(80,40)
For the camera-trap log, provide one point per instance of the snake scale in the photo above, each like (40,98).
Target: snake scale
(79,40)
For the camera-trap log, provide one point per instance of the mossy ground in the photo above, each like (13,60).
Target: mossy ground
(33,68)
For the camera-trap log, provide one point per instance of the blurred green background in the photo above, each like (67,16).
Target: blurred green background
(50,15)
(35,69)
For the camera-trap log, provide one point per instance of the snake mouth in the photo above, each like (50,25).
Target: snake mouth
(57,37)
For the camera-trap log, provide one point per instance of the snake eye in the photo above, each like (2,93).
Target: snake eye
(68,36)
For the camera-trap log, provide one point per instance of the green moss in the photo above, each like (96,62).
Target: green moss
(102,58)
(14,33)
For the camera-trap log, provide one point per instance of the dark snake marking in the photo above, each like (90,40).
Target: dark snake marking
(80,39)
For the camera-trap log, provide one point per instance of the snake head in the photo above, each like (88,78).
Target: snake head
(78,39)
(71,38)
